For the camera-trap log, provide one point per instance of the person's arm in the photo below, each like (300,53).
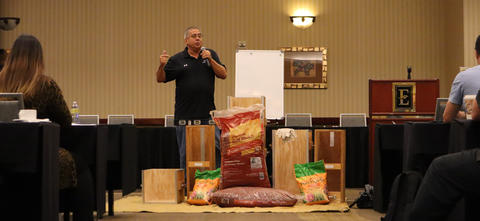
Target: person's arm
(161,77)
(220,70)
(451,112)
(475,108)
(57,108)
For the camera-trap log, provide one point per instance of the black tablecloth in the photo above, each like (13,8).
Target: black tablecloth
(388,157)
(90,143)
(157,148)
(356,168)
(29,169)
(122,158)
(423,142)
(464,135)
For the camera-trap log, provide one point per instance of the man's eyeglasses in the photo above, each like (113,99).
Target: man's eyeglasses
(199,35)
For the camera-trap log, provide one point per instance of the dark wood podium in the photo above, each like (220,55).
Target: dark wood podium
(399,101)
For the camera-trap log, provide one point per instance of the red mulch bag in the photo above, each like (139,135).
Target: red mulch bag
(253,197)
(243,155)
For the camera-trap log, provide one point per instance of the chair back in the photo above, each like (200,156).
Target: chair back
(353,120)
(121,119)
(298,120)
(169,121)
(10,105)
(89,119)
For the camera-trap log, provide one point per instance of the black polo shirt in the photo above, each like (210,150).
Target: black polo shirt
(195,85)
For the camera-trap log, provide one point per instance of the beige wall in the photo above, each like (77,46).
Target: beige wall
(104,53)
(471,23)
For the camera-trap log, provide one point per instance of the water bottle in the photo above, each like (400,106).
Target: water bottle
(75,112)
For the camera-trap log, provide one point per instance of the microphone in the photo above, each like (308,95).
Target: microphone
(206,59)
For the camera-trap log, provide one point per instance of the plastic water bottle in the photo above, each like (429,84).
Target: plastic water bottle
(75,112)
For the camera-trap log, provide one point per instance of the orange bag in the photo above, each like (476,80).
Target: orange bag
(206,183)
(312,180)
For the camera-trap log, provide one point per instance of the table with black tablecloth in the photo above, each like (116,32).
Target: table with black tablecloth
(29,169)
(157,148)
(405,147)
(90,142)
(388,157)
(122,160)
(464,135)
(423,142)
(356,168)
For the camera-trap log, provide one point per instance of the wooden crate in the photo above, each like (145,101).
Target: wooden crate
(163,185)
(285,155)
(200,151)
(330,147)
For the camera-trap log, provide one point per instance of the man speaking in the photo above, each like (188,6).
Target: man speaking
(194,70)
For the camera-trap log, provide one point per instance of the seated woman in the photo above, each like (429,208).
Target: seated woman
(24,72)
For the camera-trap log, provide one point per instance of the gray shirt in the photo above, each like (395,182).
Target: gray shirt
(466,83)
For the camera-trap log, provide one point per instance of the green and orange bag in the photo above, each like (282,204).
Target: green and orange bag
(312,180)
(206,183)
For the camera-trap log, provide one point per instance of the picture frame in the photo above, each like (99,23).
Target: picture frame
(305,67)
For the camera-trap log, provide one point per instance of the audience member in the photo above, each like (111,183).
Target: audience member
(466,83)
(24,72)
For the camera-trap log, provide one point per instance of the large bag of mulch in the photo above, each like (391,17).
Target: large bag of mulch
(312,180)
(206,183)
(253,197)
(243,154)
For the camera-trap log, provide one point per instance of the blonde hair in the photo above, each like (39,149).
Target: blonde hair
(23,70)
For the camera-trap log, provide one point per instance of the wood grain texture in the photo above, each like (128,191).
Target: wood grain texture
(200,151)
(163,185)
(285,154)
(330,147)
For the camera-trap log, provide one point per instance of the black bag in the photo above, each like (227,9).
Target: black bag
(365,200)
(402,196)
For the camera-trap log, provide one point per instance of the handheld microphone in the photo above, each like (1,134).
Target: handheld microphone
(206,59)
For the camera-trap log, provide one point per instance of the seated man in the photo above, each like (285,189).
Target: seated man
(448,179)
(466,83)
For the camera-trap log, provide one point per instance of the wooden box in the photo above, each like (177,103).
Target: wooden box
(163,185)
(330,147)
(200,151)
(285,154)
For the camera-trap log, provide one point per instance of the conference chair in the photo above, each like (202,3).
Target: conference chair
(440,108)
(10,105)
(353,120)
(120,119)
(298,120)
(89,119)
(169,121)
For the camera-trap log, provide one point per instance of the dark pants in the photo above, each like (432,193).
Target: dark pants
(448,179)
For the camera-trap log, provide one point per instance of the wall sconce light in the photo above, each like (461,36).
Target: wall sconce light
(302,21)
(8,23)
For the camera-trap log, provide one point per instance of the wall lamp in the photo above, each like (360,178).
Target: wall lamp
(8,23)
(302,21)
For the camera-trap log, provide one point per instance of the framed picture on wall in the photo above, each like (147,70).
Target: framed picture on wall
(305,67)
